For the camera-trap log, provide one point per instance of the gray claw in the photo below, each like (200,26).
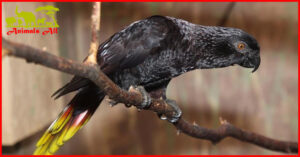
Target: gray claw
(146,97)
(176,111)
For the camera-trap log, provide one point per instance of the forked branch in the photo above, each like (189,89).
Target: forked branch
(134,98)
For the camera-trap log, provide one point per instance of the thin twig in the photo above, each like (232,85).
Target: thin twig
(95,21)
(226,14)
(95,31)
(134,98)
(228,130)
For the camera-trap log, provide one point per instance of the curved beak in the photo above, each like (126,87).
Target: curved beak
(255,62)
(251,62)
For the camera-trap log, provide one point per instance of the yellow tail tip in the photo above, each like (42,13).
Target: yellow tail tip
(54,146)
(70,133)
(60,131)
(41,150)
(43,139)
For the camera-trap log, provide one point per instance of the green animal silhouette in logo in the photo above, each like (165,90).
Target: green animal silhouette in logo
(41,21)
(49,24)
(10,21)
(50,11)
(29,18)
(20,21)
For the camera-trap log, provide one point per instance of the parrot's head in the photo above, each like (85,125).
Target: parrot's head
(231,46)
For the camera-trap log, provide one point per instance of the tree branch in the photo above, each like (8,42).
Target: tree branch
(95,21)
(228,130)
(226,14)
(95,31)
(134,98)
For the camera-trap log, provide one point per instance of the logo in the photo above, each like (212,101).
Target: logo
(25,22)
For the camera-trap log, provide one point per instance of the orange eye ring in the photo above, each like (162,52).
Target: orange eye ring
(241,46)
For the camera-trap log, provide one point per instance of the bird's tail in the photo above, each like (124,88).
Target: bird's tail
(70,120)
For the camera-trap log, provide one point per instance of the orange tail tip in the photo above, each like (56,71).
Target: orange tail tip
(61,130)
(62,120)
(76,124)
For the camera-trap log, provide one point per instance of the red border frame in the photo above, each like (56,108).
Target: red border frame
(147,1)
(1,80)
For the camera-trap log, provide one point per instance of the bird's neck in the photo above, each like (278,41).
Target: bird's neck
(193,50)
(198,40)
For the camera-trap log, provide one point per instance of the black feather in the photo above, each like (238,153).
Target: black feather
(75,84)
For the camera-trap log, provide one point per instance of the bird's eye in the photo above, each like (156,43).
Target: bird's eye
(241,46)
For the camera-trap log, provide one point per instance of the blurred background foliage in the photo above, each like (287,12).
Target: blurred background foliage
(265,102)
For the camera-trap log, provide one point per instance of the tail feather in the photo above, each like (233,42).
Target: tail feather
(64,117)
(70,120)
(61,130)
(75,84)
(53,147)
(43,148)
(76,124)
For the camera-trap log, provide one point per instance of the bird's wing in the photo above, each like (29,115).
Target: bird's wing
(125,49)
(133,45)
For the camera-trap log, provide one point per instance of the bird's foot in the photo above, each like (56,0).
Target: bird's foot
(146,97)
(175,112)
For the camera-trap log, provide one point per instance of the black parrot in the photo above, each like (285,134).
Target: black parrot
(149,53)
